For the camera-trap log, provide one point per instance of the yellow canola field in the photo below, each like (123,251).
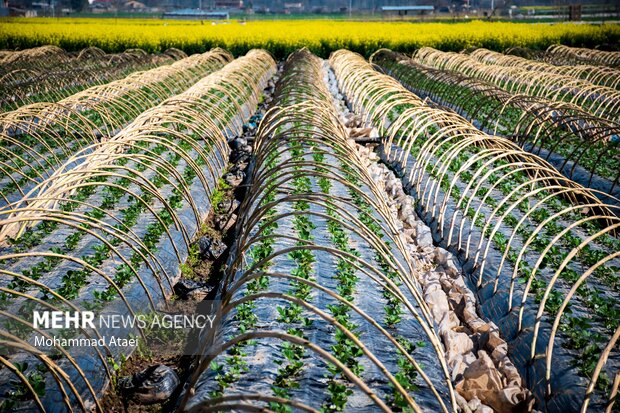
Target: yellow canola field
(282,37)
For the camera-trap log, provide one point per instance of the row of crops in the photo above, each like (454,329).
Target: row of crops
(40,138)
(574,141)
(48,74)
(329,294)
(111,230)
(533,80)
(319,284)
(541,251)
(563,55)
(281,37)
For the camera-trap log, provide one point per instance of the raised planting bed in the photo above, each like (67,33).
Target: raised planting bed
(598,100)
(582,55)
(26,81)
(598,75)
(37,139)
(110,234)
(321,306)
(583,147)
(541,252)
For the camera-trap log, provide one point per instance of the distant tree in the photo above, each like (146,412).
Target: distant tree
(79,5)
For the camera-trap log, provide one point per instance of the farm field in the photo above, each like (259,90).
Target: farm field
(283,37)
(422,227)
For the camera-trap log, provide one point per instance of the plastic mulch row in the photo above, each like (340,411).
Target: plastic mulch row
(37,139)
(82,228)
(320,307)
(572,140)
(515,224)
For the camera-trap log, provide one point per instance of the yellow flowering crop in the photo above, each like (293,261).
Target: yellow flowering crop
(282,37)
